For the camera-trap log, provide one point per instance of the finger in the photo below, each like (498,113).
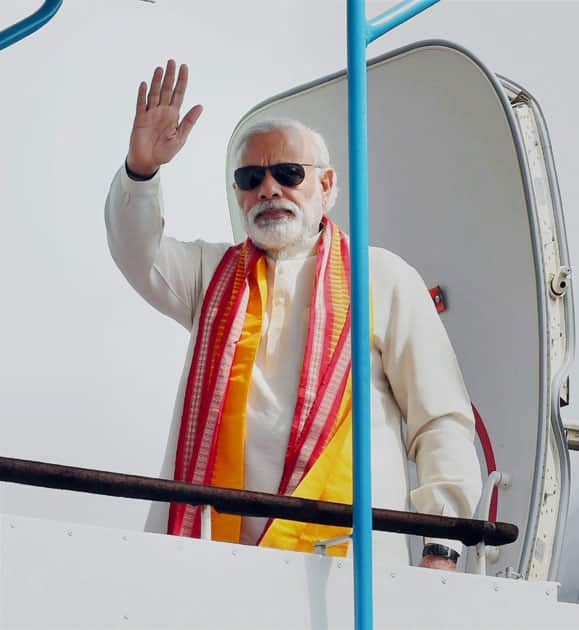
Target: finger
(167,87)
(179,92)
(142,98)
(189,120)
(155,88)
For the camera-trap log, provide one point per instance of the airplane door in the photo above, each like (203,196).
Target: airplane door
(463,186)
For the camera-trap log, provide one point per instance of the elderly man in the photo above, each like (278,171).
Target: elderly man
(265,399)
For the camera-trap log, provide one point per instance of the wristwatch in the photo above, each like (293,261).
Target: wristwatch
(440,551)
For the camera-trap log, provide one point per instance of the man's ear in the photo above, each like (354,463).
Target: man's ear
(327,183)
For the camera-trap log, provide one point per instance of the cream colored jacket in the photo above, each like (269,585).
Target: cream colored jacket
(419,405)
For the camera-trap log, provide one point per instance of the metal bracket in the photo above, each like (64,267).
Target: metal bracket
(559,282)
(572,433)
(500,480)
(206,522)
(483,552)
(320,546)
(510,574)
(522,98)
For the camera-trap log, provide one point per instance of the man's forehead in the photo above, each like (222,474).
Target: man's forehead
(278,145)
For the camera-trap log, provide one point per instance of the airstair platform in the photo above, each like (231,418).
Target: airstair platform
(64,575)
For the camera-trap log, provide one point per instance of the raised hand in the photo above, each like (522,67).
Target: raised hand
(157,134)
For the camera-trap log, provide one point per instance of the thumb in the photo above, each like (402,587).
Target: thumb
(188,122)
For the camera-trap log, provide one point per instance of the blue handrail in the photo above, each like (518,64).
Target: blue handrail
(29,25)
(360,33)
(392,18)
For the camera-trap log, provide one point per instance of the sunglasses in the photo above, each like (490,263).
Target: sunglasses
(285,173)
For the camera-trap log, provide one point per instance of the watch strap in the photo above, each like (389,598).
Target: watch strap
(136,177)
(440,551)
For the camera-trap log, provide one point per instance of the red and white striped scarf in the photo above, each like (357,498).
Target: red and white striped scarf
(325,369)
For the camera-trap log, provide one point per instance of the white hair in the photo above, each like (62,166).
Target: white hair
(322,155)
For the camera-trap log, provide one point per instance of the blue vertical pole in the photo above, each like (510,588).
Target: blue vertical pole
(358,169)
(360,33)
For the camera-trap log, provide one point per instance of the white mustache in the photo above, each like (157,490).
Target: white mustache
(273,204)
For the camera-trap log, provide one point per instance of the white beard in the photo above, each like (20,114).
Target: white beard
(278,233)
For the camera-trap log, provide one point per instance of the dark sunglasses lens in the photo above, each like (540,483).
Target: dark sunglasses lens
(288,174)
(249,177)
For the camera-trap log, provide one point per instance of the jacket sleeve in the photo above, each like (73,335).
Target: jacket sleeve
(426,381)
(166,272)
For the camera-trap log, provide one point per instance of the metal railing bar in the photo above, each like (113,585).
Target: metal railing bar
(247,503)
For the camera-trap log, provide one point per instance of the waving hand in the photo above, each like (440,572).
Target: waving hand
(157,134)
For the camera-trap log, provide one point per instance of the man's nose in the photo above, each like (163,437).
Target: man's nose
(269,187)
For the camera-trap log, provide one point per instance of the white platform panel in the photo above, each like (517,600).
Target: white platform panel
(61,575)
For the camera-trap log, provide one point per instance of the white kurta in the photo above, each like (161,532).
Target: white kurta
(414,372)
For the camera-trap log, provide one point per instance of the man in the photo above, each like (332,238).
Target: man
(264,403)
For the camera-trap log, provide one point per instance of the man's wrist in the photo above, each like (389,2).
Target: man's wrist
(440,551)
(137,176)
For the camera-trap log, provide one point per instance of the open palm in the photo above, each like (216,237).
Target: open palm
(157,134)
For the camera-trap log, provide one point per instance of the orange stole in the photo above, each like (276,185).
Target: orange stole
(228,470)
(329,479)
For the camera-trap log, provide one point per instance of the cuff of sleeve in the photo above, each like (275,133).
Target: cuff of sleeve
(134,186)
(453,544)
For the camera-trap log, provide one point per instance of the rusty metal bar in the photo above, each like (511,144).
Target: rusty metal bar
(246,503)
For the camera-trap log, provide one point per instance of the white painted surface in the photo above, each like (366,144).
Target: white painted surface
(62,575)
